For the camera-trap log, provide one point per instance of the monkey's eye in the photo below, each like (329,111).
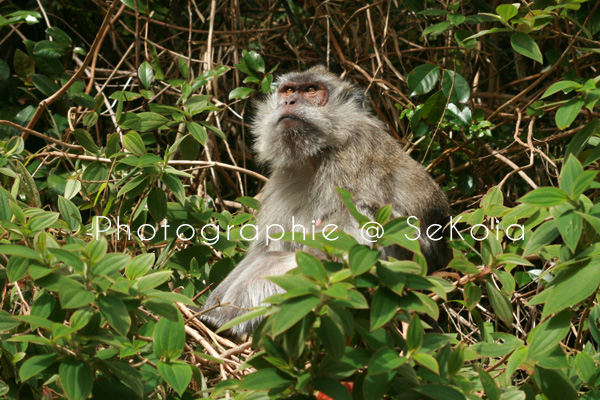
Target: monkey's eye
(288,90)
(311,89)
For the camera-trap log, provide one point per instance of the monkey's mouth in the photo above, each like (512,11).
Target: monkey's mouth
(290,116)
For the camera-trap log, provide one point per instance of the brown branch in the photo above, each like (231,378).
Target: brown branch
(46,102)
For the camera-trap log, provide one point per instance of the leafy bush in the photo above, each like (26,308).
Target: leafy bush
(117,212)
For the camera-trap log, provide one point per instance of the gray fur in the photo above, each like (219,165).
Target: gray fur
(341,144)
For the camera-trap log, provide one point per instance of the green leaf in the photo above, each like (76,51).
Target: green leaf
(23,65)
(438,28)
(581,138)
(265,379)
(134,143)
(21,251)
(7,322)
(146,74)
(414,335)
(423,79)
(76,378)
(70,213)
(500,303)
(362,258)
(111,263)
(545,197)
(140,265)
(554,384)
(489,386)
(311,266)
(177,374)
(333,338)
(567,113)
(36,365)
(292,311)
(332,388)
(383,308)
(542,236)
(75,295)
(152,280)
(525,45)
(586,368)
(16,268)
(440,392)
(169,338)
(240,93)
(570,226)
(546,336)
(175,185)
(506,11)
(46,85)
(585,278)
(472,295)
(455,87)
(571,169)
(198,132)
(157,204)
(565,86)
(84,138)
(427,361)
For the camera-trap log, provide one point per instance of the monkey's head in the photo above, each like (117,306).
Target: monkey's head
(311,113)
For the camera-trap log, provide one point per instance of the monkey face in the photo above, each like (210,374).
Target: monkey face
(311,113)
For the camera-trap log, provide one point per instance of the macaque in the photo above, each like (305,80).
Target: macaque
(316,133)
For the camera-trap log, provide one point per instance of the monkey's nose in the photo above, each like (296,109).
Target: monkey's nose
(290,102)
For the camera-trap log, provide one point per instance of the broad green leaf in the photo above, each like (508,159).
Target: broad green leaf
(146,74)
(438,28)
(554,384)
(21,251)
(362,258)
(383,308)
(292,311)
(583,277)
(565,86)
(571,169)
(70,213)
(240,93)
(311,266)
(567,113)
(175,185)
(75,295)
(542,236)
(140,265)
(111,263)
(332,388)
(525,45)
(500,303)
(333,337)
(507,11)
(455,87)
(586,367)
(46,85)
(35,365)
(169,338)
(545,197)
(414,335)
(7,322)
(157,204)
(427,361)
(76,378)
(134,143)
(548,335)
(16,268)
(440,392)
(472,295)
(570,226)
(198,132)
(266,379)
(177,374)
(152,280)
(489,386)
(423,79)
(580,139)
(84,138)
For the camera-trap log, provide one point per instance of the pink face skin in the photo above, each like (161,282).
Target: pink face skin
(296,95)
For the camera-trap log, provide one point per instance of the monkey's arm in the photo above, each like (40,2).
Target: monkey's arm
(245,287)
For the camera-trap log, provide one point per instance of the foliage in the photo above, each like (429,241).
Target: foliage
(118,181)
